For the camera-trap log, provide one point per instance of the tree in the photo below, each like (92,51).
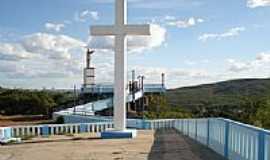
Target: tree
(159,109)
(262,116)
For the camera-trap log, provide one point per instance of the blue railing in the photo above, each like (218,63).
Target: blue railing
(233,140)
(107,88)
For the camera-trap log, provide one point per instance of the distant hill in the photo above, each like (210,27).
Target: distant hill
(219,94)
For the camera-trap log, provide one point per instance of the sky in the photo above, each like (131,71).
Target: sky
(42,43)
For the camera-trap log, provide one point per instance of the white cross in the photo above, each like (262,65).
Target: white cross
(120,30)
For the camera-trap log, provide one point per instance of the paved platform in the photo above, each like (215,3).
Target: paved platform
(169,145)
(159,145)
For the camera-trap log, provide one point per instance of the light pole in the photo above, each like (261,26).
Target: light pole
(141,83)
(74,100)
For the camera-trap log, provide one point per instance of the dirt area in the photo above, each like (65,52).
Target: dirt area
(22,120)
(160,145)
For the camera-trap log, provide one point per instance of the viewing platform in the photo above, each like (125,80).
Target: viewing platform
(187,139)
(152,145)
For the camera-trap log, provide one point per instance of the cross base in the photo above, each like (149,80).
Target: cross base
(129,133)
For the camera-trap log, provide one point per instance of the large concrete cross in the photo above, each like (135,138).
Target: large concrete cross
(120,30)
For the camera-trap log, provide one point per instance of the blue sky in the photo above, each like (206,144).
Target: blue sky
(193,41)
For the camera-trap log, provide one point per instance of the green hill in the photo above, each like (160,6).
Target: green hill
(227,93)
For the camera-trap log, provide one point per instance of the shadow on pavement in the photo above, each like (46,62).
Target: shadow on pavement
(170,145)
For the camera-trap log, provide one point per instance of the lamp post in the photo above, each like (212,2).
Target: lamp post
(141,82)
(74,100)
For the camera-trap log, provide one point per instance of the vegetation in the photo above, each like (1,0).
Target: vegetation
(60,120)
(29,102)
(245,100)
(158,108)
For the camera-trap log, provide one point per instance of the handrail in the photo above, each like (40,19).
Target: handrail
(231,139)
(248,126)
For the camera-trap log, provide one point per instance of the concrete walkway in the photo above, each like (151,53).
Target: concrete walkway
(159,145)
(169,145)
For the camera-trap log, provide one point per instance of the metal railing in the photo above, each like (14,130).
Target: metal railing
(59,129)
(106,88)
(231,139)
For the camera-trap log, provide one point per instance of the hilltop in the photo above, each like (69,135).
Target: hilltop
(226,93)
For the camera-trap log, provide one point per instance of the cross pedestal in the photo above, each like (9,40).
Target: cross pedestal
(120,30)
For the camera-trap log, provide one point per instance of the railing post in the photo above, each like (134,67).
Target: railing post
(83,128)
(226,141)
(208,132)
(188,128)
(196,129)
(56,130)
(261,145)
(182,126)
(45,131)
(38,131)
(14,132)
(143,124)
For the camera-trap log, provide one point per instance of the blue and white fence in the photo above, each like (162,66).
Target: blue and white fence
(5,132)
(233,140)
(58,129)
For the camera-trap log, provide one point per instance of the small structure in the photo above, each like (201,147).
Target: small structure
(89,72)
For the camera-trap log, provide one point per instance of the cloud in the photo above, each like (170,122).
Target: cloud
(135,43)
(44,56)
(182,23)
(218,36)
(54,57)
(263,57)
(237,66)
(169,18)
(200,20)
(7,67)
(51,46)
(82,16)
(258,3)
(261,62)
(175,77)
(54,27)
(13,52)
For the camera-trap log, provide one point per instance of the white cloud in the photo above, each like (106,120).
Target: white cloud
(135,43)
(51,46)
(230,33)
(54,57)
(82,16)
(13,52)
(94,15)
(261,62)
(263,57)
(237,66)
(170,18)
(54,27)
(7,67)
(200,20)
(258,3)
(175,77)
(183,23)
(44,56)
